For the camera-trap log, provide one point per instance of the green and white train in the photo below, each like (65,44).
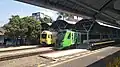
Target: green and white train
(67,38)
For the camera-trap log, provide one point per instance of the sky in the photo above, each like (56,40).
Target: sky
(11,7)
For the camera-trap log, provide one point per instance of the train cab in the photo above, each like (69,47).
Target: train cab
(46,38)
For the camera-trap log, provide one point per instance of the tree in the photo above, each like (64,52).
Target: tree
(23,27)
(12,28)
(33,27)
(46,20)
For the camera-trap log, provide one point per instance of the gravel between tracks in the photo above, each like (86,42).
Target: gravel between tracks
(24,62)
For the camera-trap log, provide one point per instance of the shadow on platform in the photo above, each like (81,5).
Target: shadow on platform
(109,61)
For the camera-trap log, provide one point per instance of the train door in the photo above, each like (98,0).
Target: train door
(67,39)
(49,39)
(72,38)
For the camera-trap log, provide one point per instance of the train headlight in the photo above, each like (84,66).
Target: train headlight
(92,45)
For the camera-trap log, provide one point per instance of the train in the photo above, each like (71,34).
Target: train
(86,33)
(47,38)
(67,38)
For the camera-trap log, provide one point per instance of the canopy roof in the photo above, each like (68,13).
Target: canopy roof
(106,11)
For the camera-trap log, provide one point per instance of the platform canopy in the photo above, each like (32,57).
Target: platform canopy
(106,11)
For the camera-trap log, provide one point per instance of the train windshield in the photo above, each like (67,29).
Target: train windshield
(44,35)
(60,36)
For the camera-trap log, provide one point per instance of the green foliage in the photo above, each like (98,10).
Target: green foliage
(46,20)
(45,26)
(24,27)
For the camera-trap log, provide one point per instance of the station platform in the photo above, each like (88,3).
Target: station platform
(105,57)
(17,48)
(62,53)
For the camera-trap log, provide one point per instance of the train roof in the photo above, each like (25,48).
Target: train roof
(45,31)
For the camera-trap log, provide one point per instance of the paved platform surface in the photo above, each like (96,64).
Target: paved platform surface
(88,59)
(16,48)
(58,54)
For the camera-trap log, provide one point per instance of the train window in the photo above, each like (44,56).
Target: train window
(49,36)
(44,35)
(72,36)
(69,36)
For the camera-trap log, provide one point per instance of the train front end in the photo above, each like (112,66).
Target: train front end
(46,38)
(64,39)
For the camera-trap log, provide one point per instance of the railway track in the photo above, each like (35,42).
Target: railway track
(14,54)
